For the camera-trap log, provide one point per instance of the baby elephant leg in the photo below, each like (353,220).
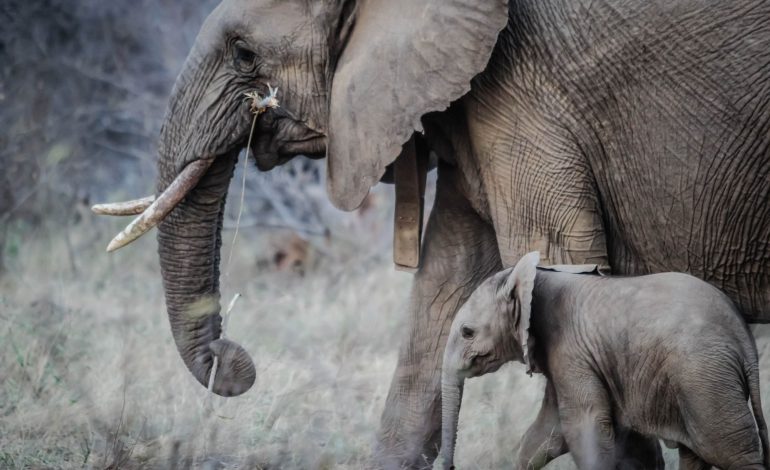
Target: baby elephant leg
(586,420)
(543,440)
(638,452)
(722,428)
(689,461)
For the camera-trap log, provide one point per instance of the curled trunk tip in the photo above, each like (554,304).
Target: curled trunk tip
(235,373)
(197,330)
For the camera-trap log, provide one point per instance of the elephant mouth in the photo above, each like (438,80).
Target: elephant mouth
(485,364)
(312,147)
(266,159)
(283,140)
(493,366)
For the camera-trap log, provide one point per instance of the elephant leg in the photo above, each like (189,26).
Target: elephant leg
(460,251)
(586,420)
(689,461)
(543,441)
(638,452)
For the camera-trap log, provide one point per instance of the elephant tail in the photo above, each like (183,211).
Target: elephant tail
(752,376)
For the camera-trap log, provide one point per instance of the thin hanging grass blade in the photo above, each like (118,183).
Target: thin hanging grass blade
(214,367)
(257,106)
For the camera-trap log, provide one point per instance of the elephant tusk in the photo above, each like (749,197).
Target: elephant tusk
(134,207)
(165,203)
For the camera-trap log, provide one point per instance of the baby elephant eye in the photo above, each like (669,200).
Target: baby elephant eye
(467,332)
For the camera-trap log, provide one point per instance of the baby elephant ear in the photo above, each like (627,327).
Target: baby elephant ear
(518,288)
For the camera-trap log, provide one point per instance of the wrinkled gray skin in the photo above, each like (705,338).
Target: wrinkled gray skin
(666,355)
(629,134)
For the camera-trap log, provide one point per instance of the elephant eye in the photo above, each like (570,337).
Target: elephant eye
(467,332)
(243,58)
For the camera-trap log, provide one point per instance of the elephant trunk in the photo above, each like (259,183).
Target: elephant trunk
(189,242)
(451,397)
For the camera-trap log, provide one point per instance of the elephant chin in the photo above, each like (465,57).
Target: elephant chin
(267,161)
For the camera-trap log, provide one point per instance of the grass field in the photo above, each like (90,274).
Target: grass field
(90,376)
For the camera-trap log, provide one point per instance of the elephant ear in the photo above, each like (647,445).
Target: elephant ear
(516,291)
(403,59)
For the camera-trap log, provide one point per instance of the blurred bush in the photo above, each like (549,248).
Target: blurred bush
(83,87)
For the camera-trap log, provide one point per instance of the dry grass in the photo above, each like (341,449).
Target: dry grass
(91,375)
(91,378)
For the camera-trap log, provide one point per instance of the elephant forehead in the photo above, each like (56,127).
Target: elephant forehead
(265,21)
(481,303)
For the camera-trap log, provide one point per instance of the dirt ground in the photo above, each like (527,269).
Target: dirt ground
(91,377)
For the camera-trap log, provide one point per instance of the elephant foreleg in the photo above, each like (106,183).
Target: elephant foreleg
(586,420)
(460,251)
(543,441)
(689,461)
(638,452)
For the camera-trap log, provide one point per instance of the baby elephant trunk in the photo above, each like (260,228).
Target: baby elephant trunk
(451,397)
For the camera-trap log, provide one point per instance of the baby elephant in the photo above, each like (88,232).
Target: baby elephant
(664,355)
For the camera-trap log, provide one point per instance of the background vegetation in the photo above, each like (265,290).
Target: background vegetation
(89,375)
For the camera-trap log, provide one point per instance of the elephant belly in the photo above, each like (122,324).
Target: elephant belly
(677,132)
(662,422)
(644,147)
(688,190)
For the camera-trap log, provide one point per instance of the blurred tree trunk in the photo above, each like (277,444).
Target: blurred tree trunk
(6,203)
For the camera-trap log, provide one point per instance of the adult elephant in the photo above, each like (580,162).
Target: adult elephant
(631,134)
